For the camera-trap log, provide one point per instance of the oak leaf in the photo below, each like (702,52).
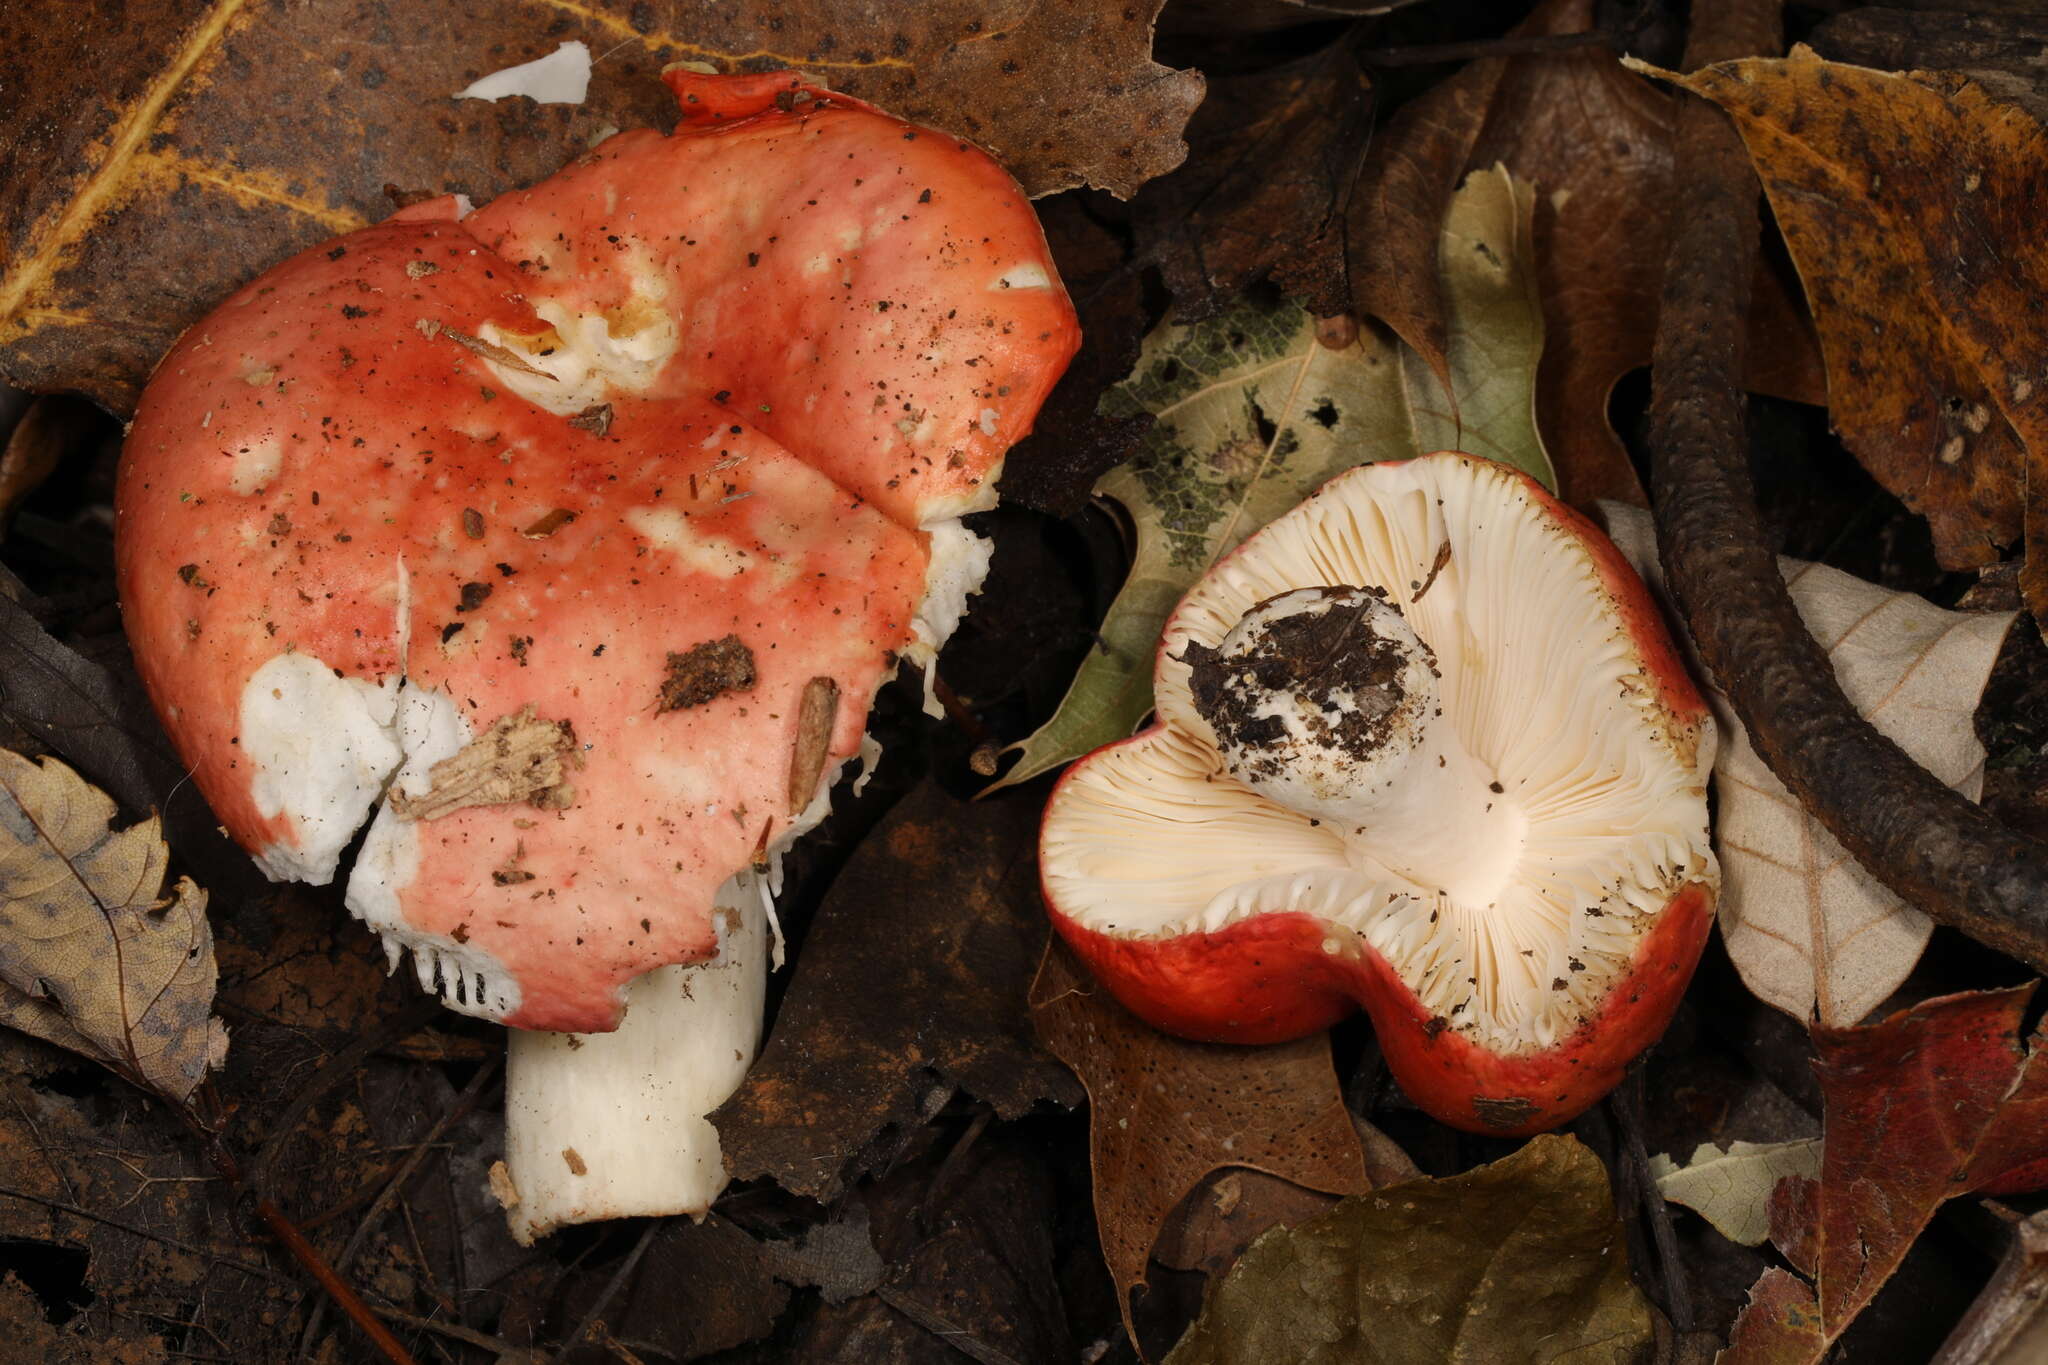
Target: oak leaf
(1910,204)
(1163,1113)
(1811,932)
(1252,413)
(93,956)
(1519,1260)
(224,137)
(1931,1103)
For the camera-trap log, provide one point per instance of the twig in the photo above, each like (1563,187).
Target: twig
(1940,853)
(1436,54)
(942,1327)
(1628,1111)
(2008,1325)
(78,1211)
(332,1073)
(611,1288)
(464,1103)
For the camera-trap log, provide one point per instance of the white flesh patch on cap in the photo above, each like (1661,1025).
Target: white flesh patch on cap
(561,77)
(589,357)
(958,563)
(321,747)
(466,978)
(1545,689)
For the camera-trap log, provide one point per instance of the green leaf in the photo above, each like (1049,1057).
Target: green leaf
(1521,1260)
(1253,414)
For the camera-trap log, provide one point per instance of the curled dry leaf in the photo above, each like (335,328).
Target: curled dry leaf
(1596,142)
(1520,1260)
(1934,1102)
(1909,202)
(1274,156)
(1811,932)
(227,136)
(940,902)
(1163,1112)
(93,956)
(1731,1187)
(1252,413)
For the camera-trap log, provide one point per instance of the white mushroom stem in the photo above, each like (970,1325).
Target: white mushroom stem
(615,1125)
(1326,702)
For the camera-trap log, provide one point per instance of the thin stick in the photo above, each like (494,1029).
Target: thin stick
(1939,852)
(619,1277)
(464,1103)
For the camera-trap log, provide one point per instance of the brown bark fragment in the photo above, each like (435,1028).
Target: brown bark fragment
(814,718)
(520,758)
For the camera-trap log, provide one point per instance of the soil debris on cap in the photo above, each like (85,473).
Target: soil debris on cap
(705,673)
(520,758)
(814,718)
(595,419)
(1317,657)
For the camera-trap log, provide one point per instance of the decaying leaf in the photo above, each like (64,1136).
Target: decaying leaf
(941,903)
(1931,1103)
(1811,932)
(1253,413)
(224,137)
(1274,156)
(1910,204)
(1520,1260)
(1163,1113)
(1731,1188)
(1596,142)
(93,956)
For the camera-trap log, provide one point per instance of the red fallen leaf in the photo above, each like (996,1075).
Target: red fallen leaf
(1933,1102)
(1781,1325)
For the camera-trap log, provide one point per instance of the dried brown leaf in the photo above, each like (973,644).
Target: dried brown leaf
(941,903)
(93,956)
(223,137)
(1596,141)
(1163,1112)
(1274,156)
(1910,202)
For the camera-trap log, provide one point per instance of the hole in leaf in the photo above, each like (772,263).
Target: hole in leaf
(54,1273)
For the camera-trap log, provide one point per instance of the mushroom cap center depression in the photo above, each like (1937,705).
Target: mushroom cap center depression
(1326,701)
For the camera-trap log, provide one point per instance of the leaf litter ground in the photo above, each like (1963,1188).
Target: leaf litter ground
(920,1183)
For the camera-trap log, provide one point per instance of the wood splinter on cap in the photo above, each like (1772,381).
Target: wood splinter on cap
(814,718)
(520,758)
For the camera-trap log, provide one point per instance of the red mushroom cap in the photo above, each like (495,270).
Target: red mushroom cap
(555,516)
(1424,746)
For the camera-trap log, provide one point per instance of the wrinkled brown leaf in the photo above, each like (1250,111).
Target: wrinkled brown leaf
(92,956)
(156,1243)
(940,903)
(1780,1325)
(1163,1113)
(1910,204)
(967,1232)
(224,136)
(37,444)
(1596,141)
(701,1288)
(1274,156)
(1520,1260)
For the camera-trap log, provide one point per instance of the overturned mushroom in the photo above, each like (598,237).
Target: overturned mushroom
(1422,745)
(571,536)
